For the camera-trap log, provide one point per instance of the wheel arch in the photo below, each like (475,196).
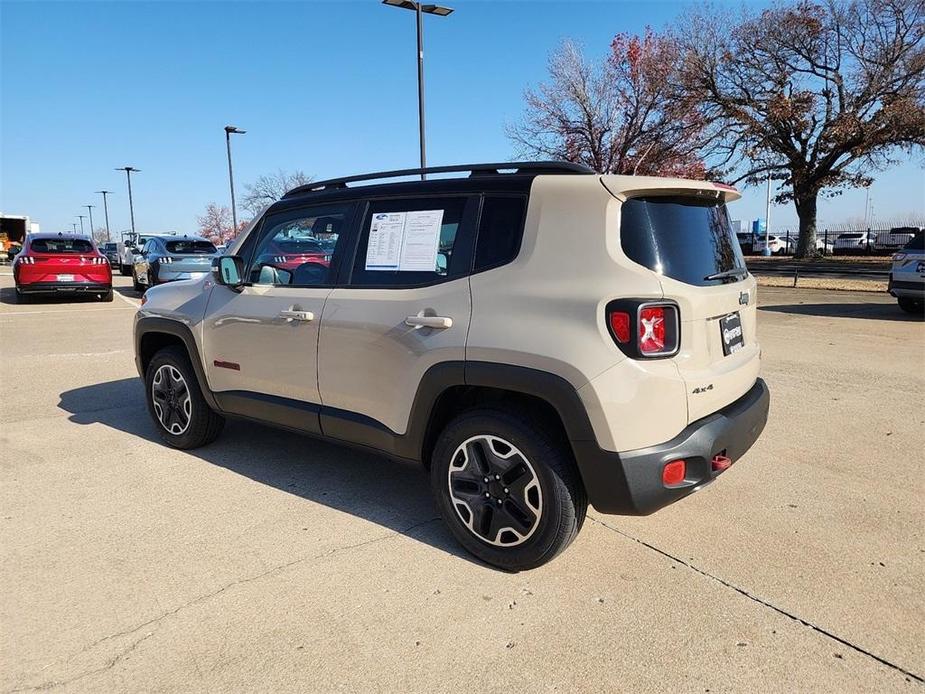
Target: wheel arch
(153,333)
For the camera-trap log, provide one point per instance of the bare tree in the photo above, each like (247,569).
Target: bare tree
(616,115)
(215,224)
(268,189)
(816,95)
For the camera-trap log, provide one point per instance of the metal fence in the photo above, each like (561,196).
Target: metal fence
(831,242)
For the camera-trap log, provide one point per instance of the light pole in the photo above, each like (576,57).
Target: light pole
(767,220)
(81,217)
(129,170)
(90,212)
(229,129)
(74,225)
(420,9)
(104,193)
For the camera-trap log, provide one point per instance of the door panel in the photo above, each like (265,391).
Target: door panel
(370,361)
(258,349)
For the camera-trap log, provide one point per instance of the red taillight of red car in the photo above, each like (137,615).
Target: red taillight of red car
(644,329)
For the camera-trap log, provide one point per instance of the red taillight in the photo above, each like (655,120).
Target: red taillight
(674,472)
(26,260)
(620,325)
(652,323)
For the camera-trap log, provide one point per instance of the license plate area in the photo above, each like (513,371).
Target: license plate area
(65,278)
(730,332)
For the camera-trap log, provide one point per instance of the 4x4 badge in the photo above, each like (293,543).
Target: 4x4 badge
(743,298)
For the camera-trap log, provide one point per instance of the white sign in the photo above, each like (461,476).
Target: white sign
(385,235)
(404,241)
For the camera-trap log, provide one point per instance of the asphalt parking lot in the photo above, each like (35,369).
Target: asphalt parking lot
(268,561)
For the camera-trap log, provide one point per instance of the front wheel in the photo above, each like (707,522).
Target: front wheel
(508,491)
(175,402)
(910,305)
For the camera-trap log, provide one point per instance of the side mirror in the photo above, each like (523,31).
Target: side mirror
(228,270)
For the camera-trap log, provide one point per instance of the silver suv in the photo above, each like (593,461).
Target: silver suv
(538,336)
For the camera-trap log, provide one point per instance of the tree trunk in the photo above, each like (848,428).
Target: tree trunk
(806,210)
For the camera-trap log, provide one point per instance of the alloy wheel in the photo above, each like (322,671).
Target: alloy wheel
(171,398)
(495,490)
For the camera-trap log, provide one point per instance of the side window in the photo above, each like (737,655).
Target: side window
(413,242)
(501,230)
(148,247)
(300,248)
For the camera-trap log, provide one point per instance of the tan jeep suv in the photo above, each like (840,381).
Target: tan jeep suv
(540,337)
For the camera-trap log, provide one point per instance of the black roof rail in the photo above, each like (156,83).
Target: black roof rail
(498,169)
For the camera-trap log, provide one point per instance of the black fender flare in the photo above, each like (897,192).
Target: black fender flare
(147,325)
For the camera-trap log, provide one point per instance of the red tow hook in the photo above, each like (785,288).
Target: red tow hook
(720,462)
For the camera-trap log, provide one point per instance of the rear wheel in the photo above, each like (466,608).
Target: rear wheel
(125,270)
(107,297)
(508,491)
(22,298)
(175,402)
(910,305)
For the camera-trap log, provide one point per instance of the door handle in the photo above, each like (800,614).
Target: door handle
(297,315)
(439,322)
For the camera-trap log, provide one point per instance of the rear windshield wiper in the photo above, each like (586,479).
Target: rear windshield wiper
(734,272)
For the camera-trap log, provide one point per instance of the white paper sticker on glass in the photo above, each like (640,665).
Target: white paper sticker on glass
(404,241)
(385,237)
(422,241)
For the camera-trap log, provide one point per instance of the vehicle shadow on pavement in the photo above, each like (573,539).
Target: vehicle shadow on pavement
(8,296)
(873,311)
(392,494)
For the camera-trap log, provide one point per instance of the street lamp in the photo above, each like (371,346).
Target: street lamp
(81,217)
(229,129)
(129,170)
(104,193)
(90,212)
(74,225)
(420,9)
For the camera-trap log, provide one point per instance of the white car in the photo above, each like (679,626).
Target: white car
(854,243)
(779,245)
(907,276)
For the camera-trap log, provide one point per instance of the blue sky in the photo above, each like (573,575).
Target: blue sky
(326,87)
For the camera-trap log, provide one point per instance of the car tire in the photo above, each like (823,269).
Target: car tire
(547,500)
(107,297)
(22,298)
(180,425)
(125,270)
(910,305)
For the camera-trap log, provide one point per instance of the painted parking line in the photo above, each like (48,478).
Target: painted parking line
(62,312)
(130,302)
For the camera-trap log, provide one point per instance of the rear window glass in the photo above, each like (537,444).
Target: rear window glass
(850,236)
(190,247)
(300,246)
(61,246)
(916,244)
(687,239)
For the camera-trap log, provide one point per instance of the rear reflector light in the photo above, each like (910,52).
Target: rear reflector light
(720,463)
(620,325)
(674,472)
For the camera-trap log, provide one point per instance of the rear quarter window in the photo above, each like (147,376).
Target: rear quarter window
(685,238)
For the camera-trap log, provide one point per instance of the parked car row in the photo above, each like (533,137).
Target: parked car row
(832,243)
(56,264)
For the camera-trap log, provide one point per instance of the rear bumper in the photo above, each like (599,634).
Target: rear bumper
(64,287)
(906,285)
(630,483)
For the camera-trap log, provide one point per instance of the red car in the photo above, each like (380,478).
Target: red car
(61,264)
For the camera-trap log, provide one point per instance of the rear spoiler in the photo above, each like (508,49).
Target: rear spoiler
(623,187)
